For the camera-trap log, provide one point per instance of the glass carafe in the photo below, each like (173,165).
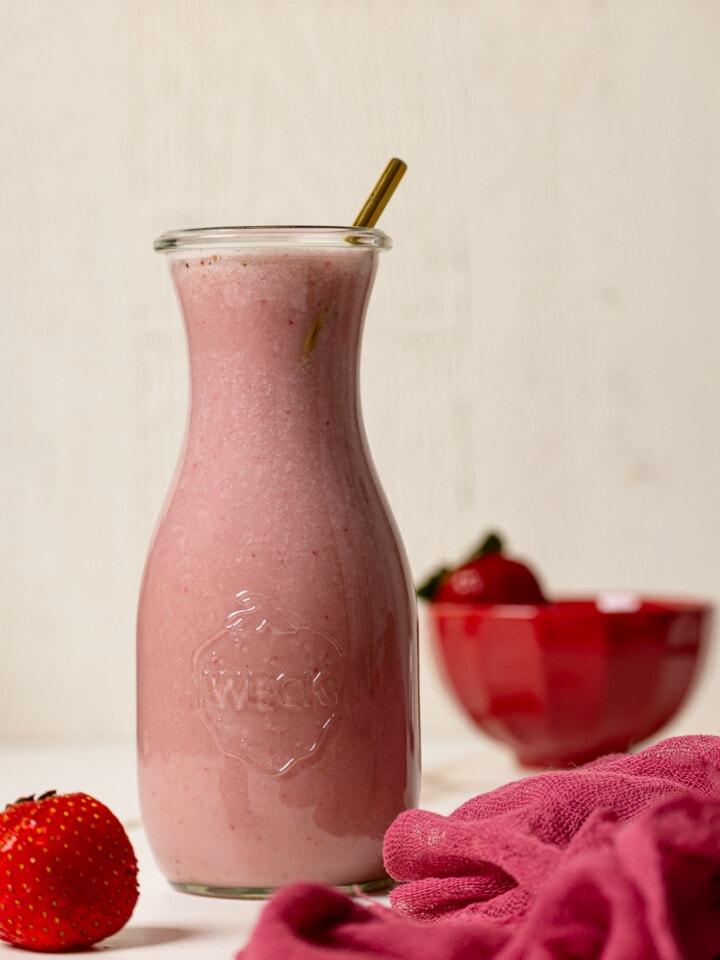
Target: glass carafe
(277,671)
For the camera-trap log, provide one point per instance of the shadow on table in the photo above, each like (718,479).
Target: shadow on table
(133,937)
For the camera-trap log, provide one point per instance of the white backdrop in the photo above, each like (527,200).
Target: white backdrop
(542,348)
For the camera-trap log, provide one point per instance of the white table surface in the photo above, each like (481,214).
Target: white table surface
(171,924)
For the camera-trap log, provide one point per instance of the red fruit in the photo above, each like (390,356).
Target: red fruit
(68,873)
(487,577)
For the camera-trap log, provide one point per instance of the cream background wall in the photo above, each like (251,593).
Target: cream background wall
(542,349)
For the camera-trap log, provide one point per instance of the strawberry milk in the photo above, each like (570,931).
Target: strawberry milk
(277,684)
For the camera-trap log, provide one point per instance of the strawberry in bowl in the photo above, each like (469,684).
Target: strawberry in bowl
(487,576)
(561,680)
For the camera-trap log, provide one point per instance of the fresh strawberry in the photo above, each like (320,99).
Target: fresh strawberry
(68,873)
(488,576)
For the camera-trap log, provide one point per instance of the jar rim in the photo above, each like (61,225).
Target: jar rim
(200,238)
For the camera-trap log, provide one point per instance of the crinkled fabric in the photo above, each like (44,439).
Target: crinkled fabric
(492,855)
(617,860)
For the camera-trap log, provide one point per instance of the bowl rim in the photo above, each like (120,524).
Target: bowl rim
(570,606)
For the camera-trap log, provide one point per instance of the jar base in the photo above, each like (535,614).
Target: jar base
(263,893)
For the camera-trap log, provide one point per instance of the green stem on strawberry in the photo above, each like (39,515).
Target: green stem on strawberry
(32,798)
(426,590)
(492,543)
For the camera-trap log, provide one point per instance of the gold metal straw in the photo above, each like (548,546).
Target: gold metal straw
(382,191)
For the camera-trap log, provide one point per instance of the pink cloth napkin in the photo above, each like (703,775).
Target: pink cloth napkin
(616,860)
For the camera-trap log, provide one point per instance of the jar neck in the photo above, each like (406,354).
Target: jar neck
(274,341)
(275,330)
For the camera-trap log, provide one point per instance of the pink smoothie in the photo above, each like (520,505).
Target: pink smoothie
(277,686)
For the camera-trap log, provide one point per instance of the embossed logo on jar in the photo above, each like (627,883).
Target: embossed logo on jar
(268,685)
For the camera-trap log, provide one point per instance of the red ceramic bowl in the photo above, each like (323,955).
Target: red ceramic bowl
(574,679)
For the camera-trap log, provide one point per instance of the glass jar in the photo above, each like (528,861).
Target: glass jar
(277,633)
